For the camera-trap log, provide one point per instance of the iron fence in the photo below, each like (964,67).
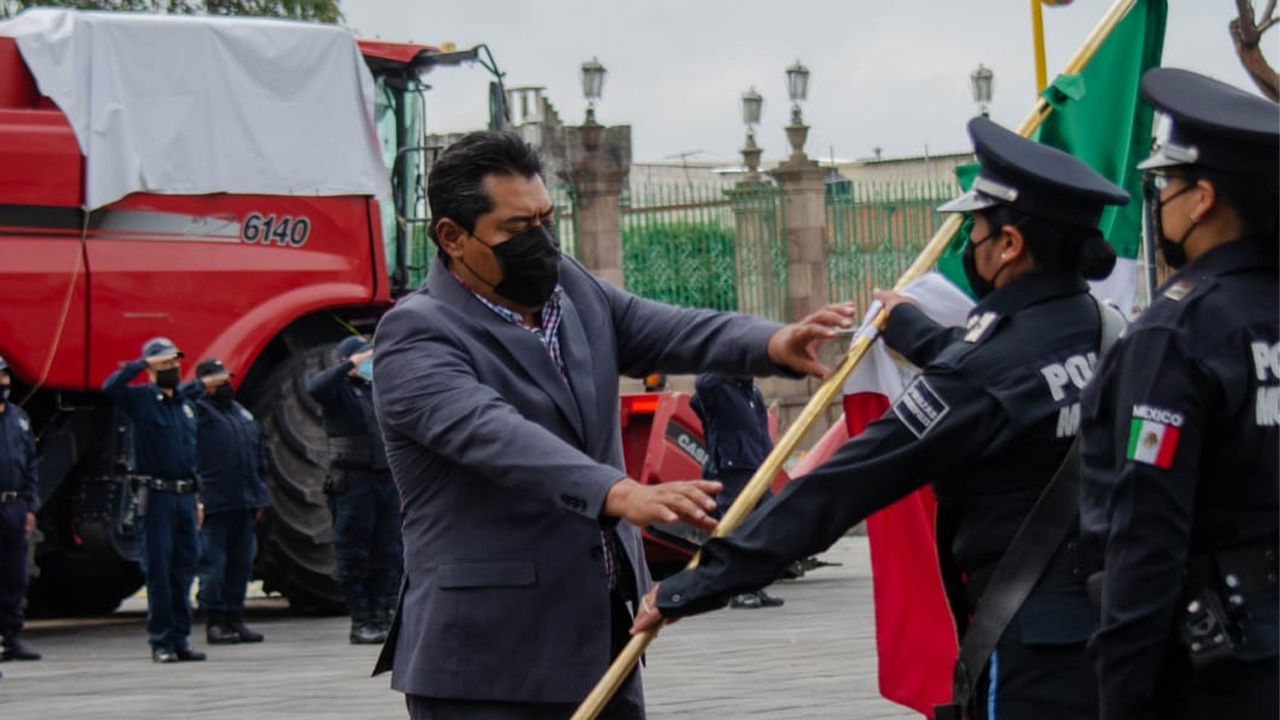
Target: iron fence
(705,247)
(875,231)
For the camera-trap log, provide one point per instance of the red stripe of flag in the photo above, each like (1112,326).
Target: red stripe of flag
(1168,445)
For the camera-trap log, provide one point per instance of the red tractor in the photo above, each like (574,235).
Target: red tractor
(267,281)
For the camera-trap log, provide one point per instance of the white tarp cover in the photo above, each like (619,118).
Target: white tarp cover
(192,105)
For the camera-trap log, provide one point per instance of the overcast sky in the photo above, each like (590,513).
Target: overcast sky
(888,74)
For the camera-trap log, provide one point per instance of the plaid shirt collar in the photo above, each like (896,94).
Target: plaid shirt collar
(548,332)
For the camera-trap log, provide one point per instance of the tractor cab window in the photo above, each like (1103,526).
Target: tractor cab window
(400,117)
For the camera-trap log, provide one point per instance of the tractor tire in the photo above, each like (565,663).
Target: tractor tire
(295,537)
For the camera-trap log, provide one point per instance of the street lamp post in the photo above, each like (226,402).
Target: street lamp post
(592,88)
(752,102)
(981,81)
(798,91)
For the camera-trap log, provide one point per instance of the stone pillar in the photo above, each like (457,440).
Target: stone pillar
(804,218)
(599,164)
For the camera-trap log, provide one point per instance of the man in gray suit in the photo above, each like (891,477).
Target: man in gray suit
(497,389)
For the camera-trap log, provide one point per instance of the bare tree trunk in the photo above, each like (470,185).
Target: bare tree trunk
(1246,34)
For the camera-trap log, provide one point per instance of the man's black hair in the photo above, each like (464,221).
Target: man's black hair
(1057,246)
(455,187)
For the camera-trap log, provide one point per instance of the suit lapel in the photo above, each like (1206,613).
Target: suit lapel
(526,350)
(577,357)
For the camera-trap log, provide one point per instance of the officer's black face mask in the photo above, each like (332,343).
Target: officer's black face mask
(168,378)
(1174,251)
(530,265)
(981,286)
(224,393)
(4,393)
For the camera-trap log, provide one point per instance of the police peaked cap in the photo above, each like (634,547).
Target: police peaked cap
(1036,179)
(1210,124)
(352,345)
(159,346)
(209,367)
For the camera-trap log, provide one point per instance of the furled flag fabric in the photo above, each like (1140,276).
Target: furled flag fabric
(915,635)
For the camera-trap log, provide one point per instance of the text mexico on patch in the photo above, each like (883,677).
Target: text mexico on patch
(1153,436)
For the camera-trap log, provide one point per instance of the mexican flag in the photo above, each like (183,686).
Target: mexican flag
(1098,117)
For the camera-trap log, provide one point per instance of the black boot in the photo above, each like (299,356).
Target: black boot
(217,632)
(380,616)
(235,622)
(15,650)
(363,631)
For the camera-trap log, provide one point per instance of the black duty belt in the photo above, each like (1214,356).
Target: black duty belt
(162,485)
(357,451)
(9,496)
(1067,566)
(1244,569)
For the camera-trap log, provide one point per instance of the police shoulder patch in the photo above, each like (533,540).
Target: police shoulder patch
(1179,290)
(186,408)
(25,424)
(920,407)
(1153,436)
(246,414)
(978,325)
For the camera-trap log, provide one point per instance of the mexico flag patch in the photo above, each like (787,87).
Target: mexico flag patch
(1153,436)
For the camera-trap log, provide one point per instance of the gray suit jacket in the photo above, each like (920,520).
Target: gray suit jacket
(503,467)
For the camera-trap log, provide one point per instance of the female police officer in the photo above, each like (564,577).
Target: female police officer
(1179,431)
(988,421)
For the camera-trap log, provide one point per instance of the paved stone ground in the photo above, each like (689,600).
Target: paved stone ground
(812,658)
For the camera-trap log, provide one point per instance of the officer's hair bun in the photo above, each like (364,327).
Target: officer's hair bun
(1097,257)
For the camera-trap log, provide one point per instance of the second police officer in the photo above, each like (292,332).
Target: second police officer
(18,478)
(988,422)
(1181,485)
(164,452)
(232,466)
(365,502)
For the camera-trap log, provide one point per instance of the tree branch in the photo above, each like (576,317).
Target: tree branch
(1245,33)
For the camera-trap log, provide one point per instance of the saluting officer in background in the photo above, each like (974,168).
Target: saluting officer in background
(18,478)
(366,504)
(232,466)
(1180,464)
(164,449)
(988,421)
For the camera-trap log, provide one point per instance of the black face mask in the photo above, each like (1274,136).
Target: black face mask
(224,393)
(980,286)
(168,378)
(1175,252)
(4,393)
(530,264)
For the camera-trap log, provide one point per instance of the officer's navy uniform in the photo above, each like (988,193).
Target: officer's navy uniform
(988,421)
(164,443)
(232,466)
(1180,478)
(18,478)
(365,502)
(735,424)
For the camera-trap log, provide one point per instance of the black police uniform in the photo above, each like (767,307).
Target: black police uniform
(232,466)
(164,443)
(365,502)
(988,421)
(1180,478)
(18,478)
(735,423)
